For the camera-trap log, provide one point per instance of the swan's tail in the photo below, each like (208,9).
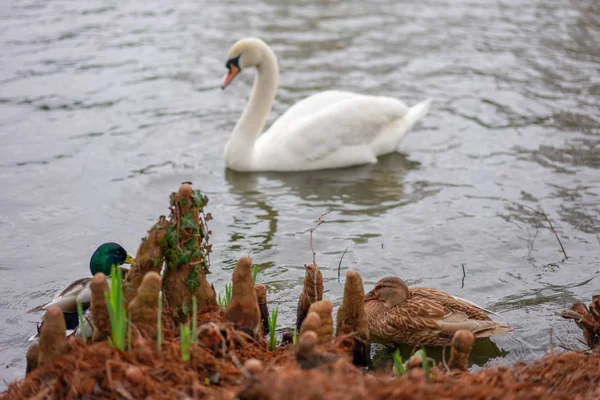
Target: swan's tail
(401,126)
(415,113)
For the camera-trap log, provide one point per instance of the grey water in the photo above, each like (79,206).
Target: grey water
(106,107)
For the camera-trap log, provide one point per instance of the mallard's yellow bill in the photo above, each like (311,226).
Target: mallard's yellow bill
(129,259)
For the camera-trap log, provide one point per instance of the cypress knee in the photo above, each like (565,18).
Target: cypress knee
(312,292)
(243,309)
(351,318)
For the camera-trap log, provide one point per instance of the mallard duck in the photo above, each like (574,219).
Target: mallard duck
(424,316)
(105,256)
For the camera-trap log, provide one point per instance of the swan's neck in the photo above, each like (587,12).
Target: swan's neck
(240,148)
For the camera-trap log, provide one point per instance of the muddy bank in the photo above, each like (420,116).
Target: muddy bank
(98,371)
(182,344)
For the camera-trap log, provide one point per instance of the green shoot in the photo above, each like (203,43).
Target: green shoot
(272,329)
(159,324)
(425,363)
(295,337)
(228,289)
(254,273)
(80,316)
(184,339)
(399,369)
(116,309)
(224,300)
(195,321)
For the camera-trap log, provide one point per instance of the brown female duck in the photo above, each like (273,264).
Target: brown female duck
(424,316)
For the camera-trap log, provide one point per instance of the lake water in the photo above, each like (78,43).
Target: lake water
(106,107)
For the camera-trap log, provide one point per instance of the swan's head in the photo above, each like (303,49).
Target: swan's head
(244,53)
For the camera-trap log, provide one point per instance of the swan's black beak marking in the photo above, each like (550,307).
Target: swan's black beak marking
(234,68)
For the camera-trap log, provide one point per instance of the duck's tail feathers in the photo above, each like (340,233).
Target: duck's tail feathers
(38,308)
(481,308)
(480,329)
(491,330)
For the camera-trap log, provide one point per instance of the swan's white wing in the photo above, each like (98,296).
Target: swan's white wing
(309,107)
(348,132)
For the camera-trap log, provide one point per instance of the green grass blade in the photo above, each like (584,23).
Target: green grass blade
(272,319)
(228,289)
(254,273)
(116,309)
(295,337)
(184,339)
(425,363)
(80,316)
(398,364)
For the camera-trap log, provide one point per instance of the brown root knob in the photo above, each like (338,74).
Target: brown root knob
(143,309)
(462,342)
(311,324)
(185,190)
(307,342)
(134,374)
(243,308)
(32,357)
(417,376)
(595,308)
(324,308)
(100,316)
(209,335)
(352,319)
(149,257)
(312,291)
(53,339)
(261,297)
(186,251)
(416,361)
(254,366)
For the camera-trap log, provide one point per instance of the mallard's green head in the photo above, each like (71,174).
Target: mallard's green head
(106,256)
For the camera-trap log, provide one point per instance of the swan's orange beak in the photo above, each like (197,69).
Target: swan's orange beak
(233,71)
(371,296)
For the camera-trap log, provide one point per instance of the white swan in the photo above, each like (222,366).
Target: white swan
(331,129)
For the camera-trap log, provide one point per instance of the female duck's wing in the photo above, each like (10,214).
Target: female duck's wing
(449,319)
(66,298)
(473,310)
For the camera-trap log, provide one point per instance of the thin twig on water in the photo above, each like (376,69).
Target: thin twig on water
(340,264)
(463,277)
(541,211)
(319,222)
(314,228)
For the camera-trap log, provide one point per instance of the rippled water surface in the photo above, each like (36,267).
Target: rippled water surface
(105,107)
